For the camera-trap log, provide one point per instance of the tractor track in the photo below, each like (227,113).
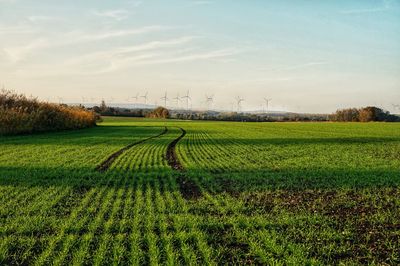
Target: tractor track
(105,165)
(188,188)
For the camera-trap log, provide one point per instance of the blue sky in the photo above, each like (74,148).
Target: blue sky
(308,56)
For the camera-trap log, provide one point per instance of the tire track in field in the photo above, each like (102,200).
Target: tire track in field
(105,165)
(188,188)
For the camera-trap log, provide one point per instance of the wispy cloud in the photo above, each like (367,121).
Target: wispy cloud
(42,18)
(384,7)
(118,59)
(83,37)
(117,14)
(159,58)
(17,53)
(197,56)
(305,65)
(135,3)
(103,62)
(297,66)
(125,52)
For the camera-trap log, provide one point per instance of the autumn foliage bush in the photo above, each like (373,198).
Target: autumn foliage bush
(20,114)
(159,112)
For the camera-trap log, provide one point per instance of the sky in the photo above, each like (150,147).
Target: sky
(307,56)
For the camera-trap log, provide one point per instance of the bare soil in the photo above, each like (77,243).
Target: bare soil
(188,188)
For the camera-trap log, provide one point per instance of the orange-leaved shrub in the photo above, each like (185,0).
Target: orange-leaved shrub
(159,112)
(19,114)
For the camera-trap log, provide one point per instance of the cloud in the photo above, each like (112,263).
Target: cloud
(17,53)
(124,52)
(386,5)
(135,3)
(117,14)
(298,66)
(119,33)
(306,65)
(117,59)
(158,58)
(196,57)
(99,63)
(42,18)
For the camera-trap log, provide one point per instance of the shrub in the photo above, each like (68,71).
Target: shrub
(19,114)
(159,112)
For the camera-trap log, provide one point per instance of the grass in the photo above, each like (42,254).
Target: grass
(270,193)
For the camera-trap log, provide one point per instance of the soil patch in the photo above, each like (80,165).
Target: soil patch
(188,188)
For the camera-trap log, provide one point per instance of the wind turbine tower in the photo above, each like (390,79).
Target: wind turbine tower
(209,101)
(187,97)
(177,99)
(135,98)
(145,97)
(267,103)
(239,101)
(165,98)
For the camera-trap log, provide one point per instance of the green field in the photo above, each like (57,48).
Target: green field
(226,193)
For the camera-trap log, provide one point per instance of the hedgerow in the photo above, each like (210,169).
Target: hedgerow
(20,114)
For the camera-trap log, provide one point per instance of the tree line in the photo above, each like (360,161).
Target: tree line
(104,110)
(365,114)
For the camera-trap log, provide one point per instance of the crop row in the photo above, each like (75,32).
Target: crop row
(141,220)
(290,157)
(145,220)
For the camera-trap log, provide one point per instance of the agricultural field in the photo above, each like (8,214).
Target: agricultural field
(136,191)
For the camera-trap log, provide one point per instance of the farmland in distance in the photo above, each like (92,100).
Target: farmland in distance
(136,191)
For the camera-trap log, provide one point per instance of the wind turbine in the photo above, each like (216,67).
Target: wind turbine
(187,97)
(136,99)
(177,99)
(144,97)
(209,101)
(239,101)
(267,102)
(165,98)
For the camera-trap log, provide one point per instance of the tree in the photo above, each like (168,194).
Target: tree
(365,114)
(103,106)
(368,114)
